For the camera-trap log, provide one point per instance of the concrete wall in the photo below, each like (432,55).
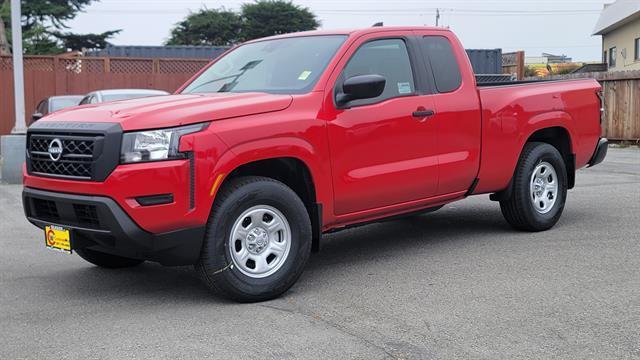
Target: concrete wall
(623,38)
(12,149)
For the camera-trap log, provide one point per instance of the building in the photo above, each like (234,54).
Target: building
(619,25)
(547,59)
(166,51)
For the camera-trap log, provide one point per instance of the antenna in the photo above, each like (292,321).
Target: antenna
(378,24)
(437,16)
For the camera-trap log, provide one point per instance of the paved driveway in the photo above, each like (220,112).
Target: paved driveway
(458,283)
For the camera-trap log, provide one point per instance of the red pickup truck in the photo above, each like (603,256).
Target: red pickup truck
(279,140)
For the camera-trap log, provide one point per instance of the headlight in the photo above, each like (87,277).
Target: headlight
(154,145)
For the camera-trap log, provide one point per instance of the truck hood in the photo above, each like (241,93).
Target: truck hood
(174,110)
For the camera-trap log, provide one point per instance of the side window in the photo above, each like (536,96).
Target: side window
(93,99)
(612,57)
(444,65)
(85,100)
(386,57)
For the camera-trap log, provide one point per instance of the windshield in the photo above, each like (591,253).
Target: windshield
(61,103)
(281,66)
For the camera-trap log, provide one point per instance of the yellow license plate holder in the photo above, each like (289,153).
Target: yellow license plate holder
(57,238)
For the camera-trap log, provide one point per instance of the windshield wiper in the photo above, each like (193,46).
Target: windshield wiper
(228,86)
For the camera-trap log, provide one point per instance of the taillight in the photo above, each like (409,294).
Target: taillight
(601,97)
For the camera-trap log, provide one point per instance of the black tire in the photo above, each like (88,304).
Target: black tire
(518,209)
(107,260)
(215,265)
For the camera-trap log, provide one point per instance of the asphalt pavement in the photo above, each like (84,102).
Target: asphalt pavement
(456,283)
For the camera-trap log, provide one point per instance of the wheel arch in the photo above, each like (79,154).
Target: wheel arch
(560,138)
(290,169)
(555,135)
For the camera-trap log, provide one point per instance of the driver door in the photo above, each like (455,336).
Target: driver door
(383,150)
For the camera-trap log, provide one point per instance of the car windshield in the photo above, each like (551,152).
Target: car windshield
(280,66)
(61,103)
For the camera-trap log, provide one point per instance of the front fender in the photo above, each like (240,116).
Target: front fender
(271,148)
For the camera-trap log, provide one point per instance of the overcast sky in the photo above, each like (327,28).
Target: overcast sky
(536,26)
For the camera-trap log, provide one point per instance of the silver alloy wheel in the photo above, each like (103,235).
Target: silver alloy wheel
(543,187)
(260,241)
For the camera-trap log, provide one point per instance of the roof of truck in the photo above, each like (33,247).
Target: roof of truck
(358,31)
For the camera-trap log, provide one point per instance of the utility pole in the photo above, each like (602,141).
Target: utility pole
(12,146)
(20,126)
(437,17)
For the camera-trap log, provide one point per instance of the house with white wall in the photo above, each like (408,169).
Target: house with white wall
(619,26)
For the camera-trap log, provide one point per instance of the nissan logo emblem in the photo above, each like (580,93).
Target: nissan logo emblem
(55,149)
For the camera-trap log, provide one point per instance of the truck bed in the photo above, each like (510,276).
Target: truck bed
(510,110)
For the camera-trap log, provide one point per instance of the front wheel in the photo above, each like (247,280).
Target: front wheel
(539,189)
(258,240)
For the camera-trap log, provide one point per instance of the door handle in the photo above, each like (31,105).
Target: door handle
(423,113)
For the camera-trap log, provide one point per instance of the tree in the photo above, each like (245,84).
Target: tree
(5,47)
(258,19)
(272,17)
(41,22)
(37,40)
(207,27)
(55,12)
(80,42)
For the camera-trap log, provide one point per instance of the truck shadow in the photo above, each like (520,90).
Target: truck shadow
(446,227)
(455,227)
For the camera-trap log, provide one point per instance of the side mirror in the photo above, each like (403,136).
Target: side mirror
(36,116)
(361,87)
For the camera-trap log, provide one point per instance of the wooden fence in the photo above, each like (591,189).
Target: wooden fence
(621,90)
(47,76)
(513,63)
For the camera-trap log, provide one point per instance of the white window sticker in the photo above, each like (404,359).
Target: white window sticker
(404,88)
(304,75)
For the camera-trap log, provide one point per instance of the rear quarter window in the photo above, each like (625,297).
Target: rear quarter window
(443,63)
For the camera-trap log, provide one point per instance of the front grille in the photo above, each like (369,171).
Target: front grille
(73,150)
(86,215)
(76,159)
(79,147)
(69,169)
(45,209)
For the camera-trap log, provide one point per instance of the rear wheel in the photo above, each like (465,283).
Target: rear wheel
(258,240)
(539,189)
(107,260)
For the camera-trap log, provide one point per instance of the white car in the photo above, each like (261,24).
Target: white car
(101,96)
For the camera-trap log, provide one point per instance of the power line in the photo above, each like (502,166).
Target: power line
(461,10)
(422,2)
(378,12)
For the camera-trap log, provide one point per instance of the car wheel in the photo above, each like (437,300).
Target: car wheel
(539,189)
(257,242)
(107,260)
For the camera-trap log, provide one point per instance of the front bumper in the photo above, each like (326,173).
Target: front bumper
(600,153)
(127,183)
(99,223)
